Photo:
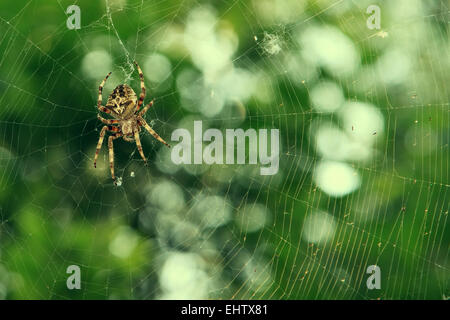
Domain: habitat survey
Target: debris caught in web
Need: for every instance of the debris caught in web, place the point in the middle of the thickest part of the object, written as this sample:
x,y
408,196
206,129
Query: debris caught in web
x,y
271,44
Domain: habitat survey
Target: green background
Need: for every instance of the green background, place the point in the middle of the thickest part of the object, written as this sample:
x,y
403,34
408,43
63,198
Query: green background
x,y
56,210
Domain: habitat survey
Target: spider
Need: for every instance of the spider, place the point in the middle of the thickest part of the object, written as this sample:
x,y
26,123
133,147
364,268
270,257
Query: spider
x,y
127,120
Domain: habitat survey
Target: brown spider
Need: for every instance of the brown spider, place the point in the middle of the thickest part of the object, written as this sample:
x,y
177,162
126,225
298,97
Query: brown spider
x,y
128,120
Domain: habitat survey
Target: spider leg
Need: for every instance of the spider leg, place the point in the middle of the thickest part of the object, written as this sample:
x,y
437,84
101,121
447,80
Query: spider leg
x,y
99,144
100,90
128,139
148,106
105,110
100,141
139,145
111,154
142,95
151,131
114,129
107,121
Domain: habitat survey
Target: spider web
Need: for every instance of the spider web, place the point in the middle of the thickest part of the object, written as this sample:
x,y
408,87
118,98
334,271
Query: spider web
x,y
363,176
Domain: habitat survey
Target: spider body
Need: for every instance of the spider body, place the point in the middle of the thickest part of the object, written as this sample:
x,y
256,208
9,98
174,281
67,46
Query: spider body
x,y
128,127
123,106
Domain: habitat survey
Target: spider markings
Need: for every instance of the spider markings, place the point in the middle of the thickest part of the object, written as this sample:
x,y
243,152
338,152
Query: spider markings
x,y
122,104
120,98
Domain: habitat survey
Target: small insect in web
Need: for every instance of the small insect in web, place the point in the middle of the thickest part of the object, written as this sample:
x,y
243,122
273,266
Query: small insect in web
x,y
122,104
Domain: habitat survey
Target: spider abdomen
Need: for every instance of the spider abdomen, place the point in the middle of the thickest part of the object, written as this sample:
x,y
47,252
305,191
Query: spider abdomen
x,y
122,100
